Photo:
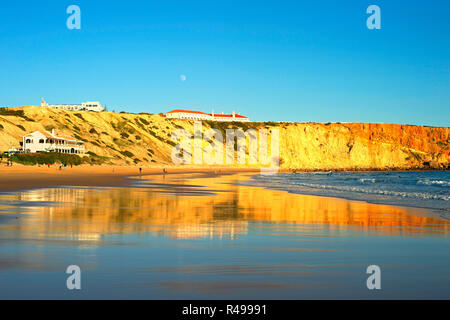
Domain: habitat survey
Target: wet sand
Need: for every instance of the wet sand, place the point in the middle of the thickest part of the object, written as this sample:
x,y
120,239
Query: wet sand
x,y
19,177
205,235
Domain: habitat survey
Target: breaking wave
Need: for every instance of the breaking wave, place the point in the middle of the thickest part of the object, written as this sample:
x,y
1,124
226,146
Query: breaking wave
x,y
419,189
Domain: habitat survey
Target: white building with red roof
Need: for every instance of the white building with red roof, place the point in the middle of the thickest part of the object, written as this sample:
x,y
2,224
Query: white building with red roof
x,y
198,115
43,141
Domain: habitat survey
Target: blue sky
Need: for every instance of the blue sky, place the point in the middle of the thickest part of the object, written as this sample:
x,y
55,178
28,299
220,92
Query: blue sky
x,y
271,60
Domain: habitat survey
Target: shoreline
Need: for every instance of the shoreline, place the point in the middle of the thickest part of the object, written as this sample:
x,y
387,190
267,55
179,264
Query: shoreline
x,y
24,178
412,169
21,177
435,211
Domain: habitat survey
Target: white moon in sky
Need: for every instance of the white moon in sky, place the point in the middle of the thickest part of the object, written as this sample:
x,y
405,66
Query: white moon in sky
x,y
183,77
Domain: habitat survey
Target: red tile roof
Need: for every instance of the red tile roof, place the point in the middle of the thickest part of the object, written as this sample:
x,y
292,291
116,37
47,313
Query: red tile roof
x,y
208,114
188,111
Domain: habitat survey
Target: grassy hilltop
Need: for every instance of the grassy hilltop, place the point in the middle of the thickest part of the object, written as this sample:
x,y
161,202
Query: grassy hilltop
x,y
145,139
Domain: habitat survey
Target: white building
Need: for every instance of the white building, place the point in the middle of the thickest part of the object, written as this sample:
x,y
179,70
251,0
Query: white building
x,y
43,141
198,115
84,106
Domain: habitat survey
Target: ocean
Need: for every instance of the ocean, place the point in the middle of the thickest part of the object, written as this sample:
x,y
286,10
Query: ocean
x,y
422,189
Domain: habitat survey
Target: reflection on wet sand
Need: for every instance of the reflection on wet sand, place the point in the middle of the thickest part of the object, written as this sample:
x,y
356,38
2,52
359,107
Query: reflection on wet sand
x,y
201,206
207,236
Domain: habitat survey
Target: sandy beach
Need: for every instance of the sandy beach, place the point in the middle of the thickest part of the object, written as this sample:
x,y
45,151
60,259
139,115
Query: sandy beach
x,y
20,177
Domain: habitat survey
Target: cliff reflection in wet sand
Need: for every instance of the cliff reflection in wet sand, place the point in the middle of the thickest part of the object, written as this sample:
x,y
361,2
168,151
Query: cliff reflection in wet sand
x,y
202,236
183,208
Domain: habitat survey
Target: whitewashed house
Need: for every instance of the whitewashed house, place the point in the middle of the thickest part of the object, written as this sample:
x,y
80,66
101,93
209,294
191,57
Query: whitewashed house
x,y
84,106
43,141
198,115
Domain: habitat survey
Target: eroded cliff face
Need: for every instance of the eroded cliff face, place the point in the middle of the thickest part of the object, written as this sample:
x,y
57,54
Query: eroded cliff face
x,y
145,139
363,146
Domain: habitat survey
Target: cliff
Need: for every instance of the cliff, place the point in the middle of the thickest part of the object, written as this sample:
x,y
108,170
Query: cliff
x,y
145,139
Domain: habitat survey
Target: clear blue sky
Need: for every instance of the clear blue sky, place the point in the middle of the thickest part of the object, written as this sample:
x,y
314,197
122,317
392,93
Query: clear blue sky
x,y
270,60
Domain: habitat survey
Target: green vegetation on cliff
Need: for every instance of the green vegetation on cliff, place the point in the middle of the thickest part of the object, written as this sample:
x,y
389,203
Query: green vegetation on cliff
x,y
47,158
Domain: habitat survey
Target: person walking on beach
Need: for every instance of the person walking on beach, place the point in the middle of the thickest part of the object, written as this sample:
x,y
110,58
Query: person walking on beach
x,y
140,171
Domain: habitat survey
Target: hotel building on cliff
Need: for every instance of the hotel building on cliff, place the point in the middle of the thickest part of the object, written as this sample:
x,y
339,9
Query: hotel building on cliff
x,y
43,141
84,106
198,115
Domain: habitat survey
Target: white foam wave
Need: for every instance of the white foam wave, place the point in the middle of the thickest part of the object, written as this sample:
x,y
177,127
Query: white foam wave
x,y
434,182
365,180
400,194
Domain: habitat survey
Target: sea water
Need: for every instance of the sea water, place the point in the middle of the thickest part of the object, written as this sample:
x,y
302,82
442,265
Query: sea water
x,y
424,189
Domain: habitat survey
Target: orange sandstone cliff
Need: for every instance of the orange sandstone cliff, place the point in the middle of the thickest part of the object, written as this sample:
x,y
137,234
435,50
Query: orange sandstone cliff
x,y
145,140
